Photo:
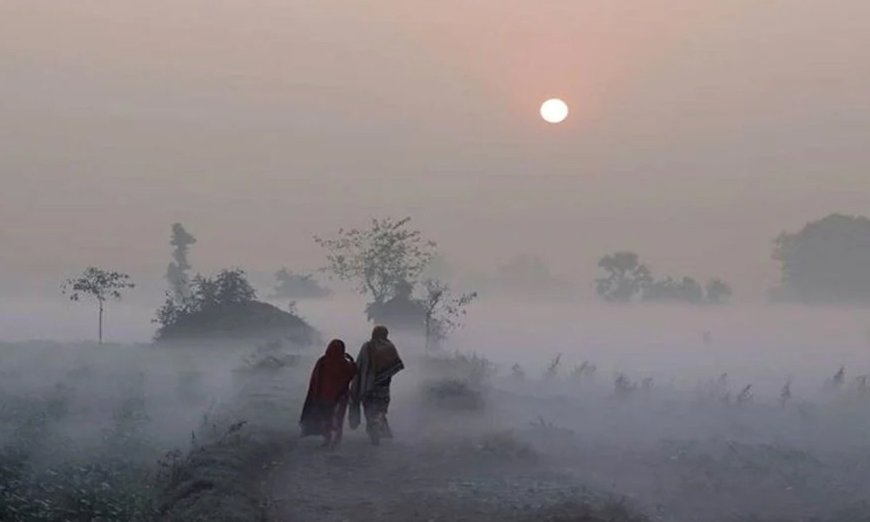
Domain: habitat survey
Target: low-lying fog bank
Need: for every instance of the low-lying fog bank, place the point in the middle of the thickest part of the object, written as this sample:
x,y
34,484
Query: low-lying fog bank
x,y
691,414
756,342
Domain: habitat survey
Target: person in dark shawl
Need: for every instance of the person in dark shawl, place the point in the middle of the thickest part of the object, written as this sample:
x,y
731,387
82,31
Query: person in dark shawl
x,y
378,362
326,403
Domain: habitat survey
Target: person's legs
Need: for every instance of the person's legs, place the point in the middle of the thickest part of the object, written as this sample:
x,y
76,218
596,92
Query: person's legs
x,y
386,432
373,421
336,426
376,414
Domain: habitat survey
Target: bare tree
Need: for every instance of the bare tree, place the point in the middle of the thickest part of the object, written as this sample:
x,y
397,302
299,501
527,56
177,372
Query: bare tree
x,y
100,284
444,312
379,259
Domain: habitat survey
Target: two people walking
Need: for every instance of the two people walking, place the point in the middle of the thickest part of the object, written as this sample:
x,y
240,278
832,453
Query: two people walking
x,y
338,382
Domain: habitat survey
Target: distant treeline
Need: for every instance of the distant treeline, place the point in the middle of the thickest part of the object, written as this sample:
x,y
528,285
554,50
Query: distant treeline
x,y
827,261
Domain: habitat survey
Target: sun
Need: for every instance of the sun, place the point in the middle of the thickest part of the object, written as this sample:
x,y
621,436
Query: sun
x,y
554,110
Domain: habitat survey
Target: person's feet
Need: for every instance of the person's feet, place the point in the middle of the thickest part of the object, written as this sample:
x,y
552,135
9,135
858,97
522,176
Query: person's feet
x,y
374,432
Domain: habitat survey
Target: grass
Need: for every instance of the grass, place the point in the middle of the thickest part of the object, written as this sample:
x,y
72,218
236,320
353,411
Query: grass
x,y
41,479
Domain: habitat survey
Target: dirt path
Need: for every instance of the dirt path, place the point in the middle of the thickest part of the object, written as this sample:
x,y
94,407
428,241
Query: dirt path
x,y
498,463
399,481
444,465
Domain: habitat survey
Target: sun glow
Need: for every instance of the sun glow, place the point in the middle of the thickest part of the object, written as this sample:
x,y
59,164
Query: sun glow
x,y
554,110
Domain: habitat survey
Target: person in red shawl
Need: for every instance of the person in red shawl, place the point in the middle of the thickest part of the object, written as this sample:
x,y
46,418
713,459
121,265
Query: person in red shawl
x,y
326,403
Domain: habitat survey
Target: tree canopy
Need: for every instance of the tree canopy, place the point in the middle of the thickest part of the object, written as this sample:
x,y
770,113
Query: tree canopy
x,y
225,306
828,260
685,290
101,285
718,291
626,277
97,283
290,285
379,259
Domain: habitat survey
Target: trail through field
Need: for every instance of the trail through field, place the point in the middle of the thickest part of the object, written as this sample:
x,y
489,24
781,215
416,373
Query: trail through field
x,y
468,467
405,480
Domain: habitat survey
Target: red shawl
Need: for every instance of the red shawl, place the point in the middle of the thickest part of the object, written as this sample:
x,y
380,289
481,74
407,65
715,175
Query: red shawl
x,y
328,386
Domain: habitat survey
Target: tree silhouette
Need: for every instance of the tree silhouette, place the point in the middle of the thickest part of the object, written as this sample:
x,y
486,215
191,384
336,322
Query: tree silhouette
x,y
401,311
99,284
379,259
626,277
443,311
826,261
686,290
718,291
224,306
297,286
176,272
233,287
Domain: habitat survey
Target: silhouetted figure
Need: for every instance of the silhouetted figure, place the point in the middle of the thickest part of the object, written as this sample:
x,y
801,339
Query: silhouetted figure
x,y
328,394
378,362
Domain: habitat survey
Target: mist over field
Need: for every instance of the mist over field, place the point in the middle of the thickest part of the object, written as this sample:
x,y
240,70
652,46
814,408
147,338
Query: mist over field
x,y
760,341
484,419
651,303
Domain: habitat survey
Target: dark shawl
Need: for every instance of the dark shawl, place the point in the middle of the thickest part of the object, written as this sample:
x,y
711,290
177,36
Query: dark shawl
x,y
327,389
378,362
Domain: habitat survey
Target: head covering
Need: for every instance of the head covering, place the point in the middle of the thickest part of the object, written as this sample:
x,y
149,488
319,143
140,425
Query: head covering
x,y
380,333
332,374
335,349
323,411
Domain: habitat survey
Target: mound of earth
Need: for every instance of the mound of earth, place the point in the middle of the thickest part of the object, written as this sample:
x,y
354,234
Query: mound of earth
x,y
247,320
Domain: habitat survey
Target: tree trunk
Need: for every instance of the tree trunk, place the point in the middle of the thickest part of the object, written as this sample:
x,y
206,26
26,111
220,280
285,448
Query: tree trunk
x,y
428,347
100,328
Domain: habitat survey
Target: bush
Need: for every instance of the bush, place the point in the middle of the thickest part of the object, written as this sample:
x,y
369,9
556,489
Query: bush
x,y
472,367
225,307
454,394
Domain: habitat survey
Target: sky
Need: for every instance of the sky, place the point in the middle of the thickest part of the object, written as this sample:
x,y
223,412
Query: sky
x,y
699,130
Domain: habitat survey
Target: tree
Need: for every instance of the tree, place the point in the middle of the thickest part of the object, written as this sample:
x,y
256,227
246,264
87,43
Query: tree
x,y
206,294
401,311
297,286
379,259
826,261
531,276
100,284
443,311
176,272
233,287
626,277
718,291
225,306
686,290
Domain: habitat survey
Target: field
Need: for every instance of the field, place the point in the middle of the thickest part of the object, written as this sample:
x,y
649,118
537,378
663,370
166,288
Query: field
x,y
141,432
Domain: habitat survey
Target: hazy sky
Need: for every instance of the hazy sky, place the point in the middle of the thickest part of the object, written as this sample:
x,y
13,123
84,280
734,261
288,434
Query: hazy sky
x,y
699,129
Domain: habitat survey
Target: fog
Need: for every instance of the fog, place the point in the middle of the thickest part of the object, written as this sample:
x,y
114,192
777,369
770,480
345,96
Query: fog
x,y
698,133
296,118
675,442
756,341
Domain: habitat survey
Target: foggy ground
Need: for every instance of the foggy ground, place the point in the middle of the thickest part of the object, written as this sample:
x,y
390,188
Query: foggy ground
x,y
568,445
474,442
